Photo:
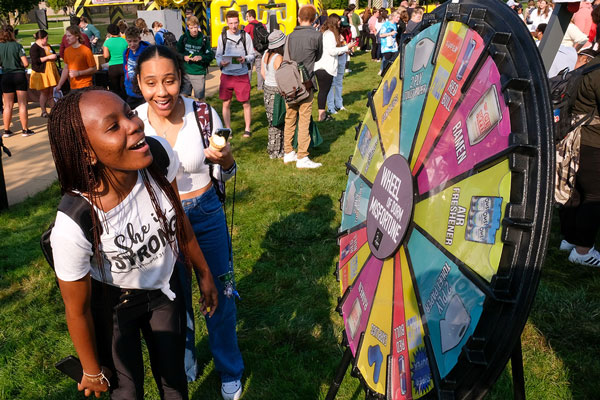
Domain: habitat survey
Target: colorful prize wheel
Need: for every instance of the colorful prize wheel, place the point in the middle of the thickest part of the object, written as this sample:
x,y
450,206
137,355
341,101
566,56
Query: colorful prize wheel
x,y
446,212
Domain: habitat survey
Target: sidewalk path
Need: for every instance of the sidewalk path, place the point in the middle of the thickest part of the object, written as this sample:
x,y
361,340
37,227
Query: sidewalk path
x,y
31,167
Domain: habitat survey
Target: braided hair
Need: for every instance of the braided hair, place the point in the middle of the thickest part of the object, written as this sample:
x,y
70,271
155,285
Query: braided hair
x,y
80,173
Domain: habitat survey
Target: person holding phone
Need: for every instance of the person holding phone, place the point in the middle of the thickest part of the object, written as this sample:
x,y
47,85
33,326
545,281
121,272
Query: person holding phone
x,y
121,281
182,121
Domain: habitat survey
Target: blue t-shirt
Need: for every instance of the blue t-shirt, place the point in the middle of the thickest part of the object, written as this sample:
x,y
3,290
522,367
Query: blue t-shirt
x,y
388,43
129,64
159,37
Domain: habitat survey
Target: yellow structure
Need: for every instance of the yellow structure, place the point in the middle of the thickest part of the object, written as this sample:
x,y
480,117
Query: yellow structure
x,y
286,12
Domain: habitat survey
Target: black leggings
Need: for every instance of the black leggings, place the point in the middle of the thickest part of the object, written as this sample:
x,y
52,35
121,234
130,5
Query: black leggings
x,y
115,80
579,225
374,47
325,81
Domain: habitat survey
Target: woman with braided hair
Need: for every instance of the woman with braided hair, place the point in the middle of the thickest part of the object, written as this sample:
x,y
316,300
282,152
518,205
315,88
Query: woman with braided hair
x,y
123,282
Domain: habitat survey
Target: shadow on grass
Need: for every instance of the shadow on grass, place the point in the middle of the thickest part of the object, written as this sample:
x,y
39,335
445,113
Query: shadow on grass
x,y
566,314
286,336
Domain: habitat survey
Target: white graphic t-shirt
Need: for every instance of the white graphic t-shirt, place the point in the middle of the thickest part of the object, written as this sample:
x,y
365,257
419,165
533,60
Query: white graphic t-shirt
x,y
135,248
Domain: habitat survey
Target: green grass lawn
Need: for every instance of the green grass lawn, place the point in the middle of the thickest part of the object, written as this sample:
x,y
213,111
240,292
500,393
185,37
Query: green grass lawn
x,y
285,252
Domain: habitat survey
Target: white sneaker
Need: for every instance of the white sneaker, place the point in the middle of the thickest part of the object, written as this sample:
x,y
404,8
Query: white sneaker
x,y
333,112
342,108
566,246
290,157
307,163
592,258
231,390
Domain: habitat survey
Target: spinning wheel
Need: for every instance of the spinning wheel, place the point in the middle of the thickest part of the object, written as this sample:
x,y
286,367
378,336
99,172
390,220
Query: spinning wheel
x,y
447,208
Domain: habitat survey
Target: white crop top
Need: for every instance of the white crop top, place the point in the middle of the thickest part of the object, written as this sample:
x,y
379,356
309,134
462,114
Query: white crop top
x,y
193,172
133,245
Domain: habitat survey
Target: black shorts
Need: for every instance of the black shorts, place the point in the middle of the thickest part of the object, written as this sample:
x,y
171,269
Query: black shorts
x,y
13,81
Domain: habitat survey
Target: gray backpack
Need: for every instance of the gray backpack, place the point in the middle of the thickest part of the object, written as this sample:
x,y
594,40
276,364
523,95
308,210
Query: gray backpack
x,y
289,79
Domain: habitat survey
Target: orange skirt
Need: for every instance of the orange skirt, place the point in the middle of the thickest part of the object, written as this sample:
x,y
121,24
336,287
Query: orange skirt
x,y
47,79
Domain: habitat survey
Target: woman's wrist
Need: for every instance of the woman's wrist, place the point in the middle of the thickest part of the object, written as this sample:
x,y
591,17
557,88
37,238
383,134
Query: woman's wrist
x,y
229,170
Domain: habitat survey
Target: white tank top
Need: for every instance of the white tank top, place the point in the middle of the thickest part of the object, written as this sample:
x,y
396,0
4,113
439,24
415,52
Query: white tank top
x,y
270,71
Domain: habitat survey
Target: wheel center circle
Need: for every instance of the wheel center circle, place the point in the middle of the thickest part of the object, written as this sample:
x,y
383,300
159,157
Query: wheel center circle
x,y
390,206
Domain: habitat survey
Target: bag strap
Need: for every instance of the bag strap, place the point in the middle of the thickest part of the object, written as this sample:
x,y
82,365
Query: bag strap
x,y
203,114
78,209
286,50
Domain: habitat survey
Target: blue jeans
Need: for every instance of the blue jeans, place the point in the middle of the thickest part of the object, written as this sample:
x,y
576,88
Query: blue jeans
x,y
210,227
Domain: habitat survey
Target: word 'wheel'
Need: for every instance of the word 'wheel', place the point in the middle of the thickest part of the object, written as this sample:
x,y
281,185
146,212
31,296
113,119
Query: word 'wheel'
x,y
446,212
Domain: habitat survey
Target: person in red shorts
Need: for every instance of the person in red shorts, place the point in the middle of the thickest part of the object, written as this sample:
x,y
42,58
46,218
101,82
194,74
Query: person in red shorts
x,y
234,53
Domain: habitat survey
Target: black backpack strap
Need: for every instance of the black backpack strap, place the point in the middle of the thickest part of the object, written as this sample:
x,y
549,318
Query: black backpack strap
x,y
224,39
159,154
79,210
244,33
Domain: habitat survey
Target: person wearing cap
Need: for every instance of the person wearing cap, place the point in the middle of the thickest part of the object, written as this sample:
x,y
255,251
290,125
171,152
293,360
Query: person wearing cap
x,y
271,60
585,55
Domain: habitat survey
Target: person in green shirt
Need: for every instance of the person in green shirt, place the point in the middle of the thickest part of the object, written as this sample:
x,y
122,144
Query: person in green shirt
x,y
91,31
13,61
113,49
197,54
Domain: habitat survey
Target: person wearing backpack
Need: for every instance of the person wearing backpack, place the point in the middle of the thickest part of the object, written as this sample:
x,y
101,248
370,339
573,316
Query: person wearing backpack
x,y
260,41
135,46
197,54
159,33
580,224
117,279
305,46
187,124
235,55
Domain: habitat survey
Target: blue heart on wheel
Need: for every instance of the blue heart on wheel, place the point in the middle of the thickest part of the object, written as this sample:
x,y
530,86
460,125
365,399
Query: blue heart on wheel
x,y
388,90
375,358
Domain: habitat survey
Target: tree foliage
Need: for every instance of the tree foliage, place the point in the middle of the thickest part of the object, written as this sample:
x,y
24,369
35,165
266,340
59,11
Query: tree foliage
x,y
15,8
335,4
58,5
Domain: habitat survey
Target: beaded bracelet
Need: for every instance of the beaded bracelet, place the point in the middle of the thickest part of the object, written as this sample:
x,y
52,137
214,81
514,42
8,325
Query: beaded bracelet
x,y
97,378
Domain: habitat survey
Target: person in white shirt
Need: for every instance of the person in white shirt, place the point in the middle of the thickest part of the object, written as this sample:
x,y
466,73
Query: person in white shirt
x,y
326,66
270,63
574,37
187,126
540,15
121,282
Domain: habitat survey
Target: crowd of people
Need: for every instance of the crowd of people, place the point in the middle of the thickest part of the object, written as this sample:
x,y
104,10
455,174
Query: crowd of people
x,y
145,215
